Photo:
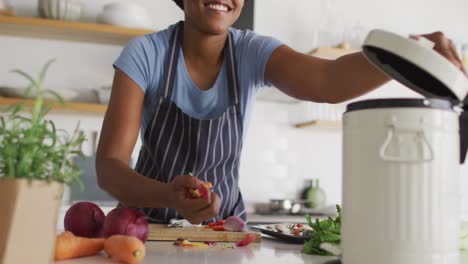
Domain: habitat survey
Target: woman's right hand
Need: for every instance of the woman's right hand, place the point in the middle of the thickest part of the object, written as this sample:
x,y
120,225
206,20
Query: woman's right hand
x,y
193,210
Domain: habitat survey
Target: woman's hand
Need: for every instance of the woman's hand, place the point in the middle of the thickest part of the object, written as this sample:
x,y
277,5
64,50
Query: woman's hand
x,y
445,47
194,210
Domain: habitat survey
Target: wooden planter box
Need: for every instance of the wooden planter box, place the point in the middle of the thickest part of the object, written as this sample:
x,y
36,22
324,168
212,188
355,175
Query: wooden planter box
x,y
28,220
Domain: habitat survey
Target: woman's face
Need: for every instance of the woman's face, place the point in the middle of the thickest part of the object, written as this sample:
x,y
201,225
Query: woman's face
x,y
212,16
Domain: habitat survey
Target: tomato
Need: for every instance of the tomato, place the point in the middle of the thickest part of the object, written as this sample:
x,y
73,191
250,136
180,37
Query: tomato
x,y
218,228
249,238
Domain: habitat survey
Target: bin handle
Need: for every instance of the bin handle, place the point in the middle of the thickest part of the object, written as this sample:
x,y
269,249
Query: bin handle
x,y
394,158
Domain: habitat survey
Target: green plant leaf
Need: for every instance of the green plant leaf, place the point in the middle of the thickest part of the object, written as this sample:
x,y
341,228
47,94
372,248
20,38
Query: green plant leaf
x,y
31,146
44,70
327,230
27,76
27,93
56,95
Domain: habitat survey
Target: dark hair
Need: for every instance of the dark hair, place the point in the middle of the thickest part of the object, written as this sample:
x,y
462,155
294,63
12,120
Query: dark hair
x,y
180,3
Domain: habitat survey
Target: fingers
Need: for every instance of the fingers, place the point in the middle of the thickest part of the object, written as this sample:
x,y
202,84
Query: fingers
x,y
454,53
212,210
187,181
445,47
205,213
451,53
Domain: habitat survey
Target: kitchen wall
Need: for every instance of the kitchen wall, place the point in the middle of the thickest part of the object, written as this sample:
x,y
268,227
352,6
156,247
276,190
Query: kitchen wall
x,y
277,157
317,151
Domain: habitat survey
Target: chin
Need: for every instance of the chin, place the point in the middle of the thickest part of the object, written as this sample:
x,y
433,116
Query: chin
x,y
216,28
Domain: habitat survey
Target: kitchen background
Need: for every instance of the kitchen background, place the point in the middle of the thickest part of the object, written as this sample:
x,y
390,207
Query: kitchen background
x,y
278,157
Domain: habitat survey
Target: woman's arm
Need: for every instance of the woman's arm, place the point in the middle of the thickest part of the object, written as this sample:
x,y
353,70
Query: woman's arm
x,y
333,81
328,81
118,136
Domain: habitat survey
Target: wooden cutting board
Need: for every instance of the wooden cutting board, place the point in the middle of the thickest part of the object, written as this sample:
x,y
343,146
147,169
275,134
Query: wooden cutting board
x,y
158,232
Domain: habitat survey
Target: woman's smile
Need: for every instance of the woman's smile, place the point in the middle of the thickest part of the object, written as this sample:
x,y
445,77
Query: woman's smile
x,y
218,6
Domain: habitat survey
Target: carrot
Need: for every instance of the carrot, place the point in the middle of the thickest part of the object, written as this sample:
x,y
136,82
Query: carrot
x,y
69,246
127,249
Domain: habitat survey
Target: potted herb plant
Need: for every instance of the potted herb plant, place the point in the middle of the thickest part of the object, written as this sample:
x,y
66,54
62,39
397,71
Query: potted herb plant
x,y
35,162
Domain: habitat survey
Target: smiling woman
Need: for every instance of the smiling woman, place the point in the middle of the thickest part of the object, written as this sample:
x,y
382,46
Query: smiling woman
x,y
189,89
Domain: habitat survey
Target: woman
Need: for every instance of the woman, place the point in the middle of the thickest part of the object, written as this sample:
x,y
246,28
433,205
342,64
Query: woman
x,y
190,89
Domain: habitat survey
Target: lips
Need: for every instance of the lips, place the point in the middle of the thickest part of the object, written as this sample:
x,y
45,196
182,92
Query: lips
x,y
218,6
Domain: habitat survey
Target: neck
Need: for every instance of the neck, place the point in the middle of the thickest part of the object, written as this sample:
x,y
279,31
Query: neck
x,y
201,47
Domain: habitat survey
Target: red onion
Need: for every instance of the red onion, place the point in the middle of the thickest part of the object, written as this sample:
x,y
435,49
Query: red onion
x,y
126,221
84,219
235,224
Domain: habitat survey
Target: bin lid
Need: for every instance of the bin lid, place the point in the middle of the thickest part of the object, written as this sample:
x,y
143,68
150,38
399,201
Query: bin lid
x,y
415,64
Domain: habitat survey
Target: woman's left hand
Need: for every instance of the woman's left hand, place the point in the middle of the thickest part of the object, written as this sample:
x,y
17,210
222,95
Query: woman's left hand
x,y
445,47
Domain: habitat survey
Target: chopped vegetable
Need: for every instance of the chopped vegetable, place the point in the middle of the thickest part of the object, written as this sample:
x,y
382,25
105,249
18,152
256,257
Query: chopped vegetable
x,y
202,192
235,224
68,246
217,226
282,228
181,242
127,249
219,223
249,238
325,231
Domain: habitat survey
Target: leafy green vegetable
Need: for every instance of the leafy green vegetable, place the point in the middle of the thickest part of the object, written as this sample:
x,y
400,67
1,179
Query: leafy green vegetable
x,y
324,231
30,146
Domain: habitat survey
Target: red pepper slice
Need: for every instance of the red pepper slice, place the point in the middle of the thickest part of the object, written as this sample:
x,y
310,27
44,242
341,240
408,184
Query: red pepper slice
x,y
299,225
218,228
249,238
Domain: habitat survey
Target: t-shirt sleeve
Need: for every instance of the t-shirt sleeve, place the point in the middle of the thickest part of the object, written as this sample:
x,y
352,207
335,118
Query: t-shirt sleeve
x,y
134,61
256,51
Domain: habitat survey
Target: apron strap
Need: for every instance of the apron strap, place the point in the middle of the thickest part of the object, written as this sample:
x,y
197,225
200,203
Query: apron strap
x,y
171,66
174,53
230,55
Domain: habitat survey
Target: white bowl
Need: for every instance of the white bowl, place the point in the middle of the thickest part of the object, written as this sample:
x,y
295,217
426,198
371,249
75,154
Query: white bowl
x,y
69,10
125,14
104,94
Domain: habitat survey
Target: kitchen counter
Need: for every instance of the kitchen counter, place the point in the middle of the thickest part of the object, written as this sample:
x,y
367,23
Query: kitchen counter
x,y
269,251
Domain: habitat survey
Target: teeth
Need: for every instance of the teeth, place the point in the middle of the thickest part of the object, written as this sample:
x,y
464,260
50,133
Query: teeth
x,y
218,7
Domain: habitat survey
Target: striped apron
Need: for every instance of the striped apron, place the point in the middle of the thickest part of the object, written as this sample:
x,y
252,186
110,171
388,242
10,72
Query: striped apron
x,y
175,143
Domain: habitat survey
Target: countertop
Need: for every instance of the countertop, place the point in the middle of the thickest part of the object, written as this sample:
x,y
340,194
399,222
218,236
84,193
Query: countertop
x,y
269,251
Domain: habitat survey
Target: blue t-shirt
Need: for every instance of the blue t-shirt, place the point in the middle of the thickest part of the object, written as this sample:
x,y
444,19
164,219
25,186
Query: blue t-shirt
x,y
143,61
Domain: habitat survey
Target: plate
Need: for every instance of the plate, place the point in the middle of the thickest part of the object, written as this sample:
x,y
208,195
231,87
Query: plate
x,y
281,236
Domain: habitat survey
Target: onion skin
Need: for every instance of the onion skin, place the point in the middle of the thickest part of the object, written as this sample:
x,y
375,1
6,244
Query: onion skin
x,y
126,221
84,219
235,224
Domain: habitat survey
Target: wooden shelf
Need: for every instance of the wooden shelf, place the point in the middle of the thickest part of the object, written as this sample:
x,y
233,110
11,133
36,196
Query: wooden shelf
x,y
319,123
69,31
57,107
